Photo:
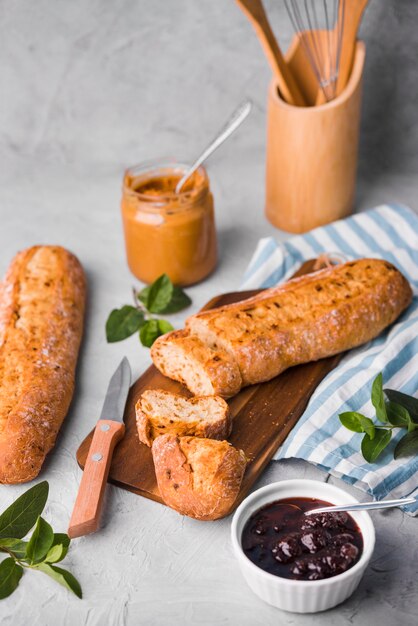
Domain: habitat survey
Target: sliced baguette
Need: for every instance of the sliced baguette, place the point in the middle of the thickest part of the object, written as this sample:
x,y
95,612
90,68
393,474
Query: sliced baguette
x,y
204,369
305,319
198,477
159,412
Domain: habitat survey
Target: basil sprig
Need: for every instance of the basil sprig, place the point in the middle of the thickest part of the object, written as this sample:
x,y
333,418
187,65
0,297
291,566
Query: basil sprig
x,y
162,297
43,549
398,410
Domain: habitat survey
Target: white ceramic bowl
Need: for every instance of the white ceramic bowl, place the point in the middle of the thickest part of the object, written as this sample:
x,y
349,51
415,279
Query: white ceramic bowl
x,y
300,596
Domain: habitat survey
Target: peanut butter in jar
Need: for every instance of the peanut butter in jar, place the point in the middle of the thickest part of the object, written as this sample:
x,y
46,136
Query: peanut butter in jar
x,y
165,231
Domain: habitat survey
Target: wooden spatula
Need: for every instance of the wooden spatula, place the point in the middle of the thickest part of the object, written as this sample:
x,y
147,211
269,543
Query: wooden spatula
x,y
288,87
353,13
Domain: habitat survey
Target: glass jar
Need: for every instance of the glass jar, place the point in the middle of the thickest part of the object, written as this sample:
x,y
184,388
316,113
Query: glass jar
x,y
165,231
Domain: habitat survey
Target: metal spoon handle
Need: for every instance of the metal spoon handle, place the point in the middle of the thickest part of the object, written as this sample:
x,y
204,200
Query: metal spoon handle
x,y
362,506
234,121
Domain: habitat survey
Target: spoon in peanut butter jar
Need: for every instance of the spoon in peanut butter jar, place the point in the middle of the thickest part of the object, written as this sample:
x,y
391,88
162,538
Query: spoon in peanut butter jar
x,y
232,124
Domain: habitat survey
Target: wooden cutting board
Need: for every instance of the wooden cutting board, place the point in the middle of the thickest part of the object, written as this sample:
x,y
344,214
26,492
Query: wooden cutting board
x,y
263,414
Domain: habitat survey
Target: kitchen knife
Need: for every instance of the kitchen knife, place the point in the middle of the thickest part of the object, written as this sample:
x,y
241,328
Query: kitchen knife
x,y
109,430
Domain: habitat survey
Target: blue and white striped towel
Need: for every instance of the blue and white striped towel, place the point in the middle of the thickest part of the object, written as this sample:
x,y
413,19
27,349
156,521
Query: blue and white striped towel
x,y
388,232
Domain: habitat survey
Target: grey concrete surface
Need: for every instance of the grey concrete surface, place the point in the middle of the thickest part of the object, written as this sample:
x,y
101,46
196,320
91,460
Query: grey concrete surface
x,y
87,88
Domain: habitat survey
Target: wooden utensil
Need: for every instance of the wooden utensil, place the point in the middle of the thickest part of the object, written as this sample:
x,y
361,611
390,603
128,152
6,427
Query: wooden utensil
x,y
303,193
263,415
319,25
353,13
302,70
109,430
288,87
327,31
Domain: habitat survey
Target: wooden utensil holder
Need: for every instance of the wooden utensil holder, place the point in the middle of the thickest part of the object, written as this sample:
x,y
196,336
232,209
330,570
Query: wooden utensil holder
x,y
312,154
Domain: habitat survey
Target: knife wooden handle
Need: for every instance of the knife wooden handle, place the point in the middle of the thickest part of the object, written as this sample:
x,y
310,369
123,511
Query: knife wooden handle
x,y
86,513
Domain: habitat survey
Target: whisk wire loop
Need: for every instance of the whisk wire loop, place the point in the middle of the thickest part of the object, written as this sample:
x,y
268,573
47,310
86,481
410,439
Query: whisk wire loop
x,y
320,26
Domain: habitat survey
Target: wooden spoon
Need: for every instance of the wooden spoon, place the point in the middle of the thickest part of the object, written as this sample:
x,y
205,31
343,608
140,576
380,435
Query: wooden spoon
x,y
353,12
288,87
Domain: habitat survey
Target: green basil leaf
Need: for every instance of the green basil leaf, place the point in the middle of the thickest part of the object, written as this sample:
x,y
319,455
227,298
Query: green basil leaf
x,y
408,402
10,575
171,299
143,295
164,327
40,542
351,420
397,414
378,399
55,554
123,323
179,301
17,546
357,422
152,330
149,333
21,516
61,541
407,446
62,576
157,296
371,448
412,426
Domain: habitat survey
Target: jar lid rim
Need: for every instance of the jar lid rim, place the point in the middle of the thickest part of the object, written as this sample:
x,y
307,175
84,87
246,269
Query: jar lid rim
x,y
155,168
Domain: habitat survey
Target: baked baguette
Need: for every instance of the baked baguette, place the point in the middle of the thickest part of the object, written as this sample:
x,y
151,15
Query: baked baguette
x,y
198,477
159,412
41,320
204,369
305,319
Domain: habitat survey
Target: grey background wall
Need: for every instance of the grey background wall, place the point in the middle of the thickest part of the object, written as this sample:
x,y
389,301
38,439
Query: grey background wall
x,y
115,82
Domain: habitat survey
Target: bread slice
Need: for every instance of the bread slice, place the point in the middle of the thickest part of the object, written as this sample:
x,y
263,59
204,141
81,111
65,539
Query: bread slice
x,y
204,369
159,412
198,477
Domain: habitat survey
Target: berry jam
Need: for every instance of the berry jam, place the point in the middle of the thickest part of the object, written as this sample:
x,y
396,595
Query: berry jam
x,y
282,540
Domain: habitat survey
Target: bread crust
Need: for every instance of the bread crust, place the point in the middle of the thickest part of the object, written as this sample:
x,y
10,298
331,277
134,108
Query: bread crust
x,y
41,321
198,477
151,425
305,319
207,370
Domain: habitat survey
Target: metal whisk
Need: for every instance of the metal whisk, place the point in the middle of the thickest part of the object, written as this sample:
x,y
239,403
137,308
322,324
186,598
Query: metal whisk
x,y
320,26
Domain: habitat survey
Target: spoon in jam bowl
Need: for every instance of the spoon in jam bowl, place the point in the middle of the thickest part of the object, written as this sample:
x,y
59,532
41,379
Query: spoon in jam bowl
x,y
362,506
232,124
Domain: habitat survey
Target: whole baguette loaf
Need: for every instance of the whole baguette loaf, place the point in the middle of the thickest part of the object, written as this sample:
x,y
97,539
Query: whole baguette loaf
x,y
159,412
41,321
305,319
198,477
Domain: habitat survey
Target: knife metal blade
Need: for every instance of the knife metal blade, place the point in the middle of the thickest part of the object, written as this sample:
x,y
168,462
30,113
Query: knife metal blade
x,y
117,392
